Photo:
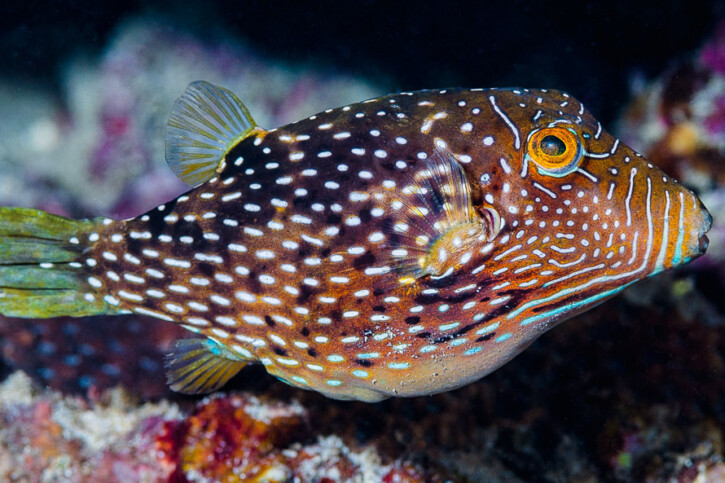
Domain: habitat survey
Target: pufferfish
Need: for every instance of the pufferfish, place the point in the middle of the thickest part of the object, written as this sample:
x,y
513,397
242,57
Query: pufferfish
x,y
401,246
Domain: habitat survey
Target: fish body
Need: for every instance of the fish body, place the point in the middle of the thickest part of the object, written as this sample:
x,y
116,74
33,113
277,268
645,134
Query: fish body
x,y
401,246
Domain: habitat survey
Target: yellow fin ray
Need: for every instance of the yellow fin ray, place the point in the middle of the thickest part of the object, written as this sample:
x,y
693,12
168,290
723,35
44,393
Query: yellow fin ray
x,y
198,366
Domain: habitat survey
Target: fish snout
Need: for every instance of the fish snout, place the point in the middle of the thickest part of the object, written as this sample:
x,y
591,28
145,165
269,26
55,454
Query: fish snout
x,y
705,225
691,232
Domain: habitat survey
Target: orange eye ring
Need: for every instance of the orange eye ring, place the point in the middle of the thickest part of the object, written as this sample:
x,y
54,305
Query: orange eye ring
x,y
555,150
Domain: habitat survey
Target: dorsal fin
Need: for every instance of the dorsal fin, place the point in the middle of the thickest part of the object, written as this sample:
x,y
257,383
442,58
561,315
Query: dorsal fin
x,y
435,226
205,123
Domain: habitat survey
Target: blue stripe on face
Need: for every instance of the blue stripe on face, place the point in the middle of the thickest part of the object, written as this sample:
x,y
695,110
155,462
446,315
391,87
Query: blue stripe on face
x,y
575,305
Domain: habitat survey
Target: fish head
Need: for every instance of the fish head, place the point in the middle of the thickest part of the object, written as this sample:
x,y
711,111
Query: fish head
x,y
582,215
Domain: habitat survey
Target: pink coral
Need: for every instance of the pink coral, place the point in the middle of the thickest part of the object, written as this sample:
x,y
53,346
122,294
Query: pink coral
x,y
232,438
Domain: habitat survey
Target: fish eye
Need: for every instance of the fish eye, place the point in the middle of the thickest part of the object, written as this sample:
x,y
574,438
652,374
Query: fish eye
x,y
555,150
552,146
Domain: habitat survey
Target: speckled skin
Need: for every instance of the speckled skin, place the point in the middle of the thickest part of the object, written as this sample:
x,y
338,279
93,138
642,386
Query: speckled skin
x,y
286,257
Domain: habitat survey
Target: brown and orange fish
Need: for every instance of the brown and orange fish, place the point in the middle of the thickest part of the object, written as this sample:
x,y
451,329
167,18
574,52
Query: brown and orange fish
x,y
402,246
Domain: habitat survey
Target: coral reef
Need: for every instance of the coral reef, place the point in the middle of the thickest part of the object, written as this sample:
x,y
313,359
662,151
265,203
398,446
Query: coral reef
x,y
226,438
240,438
45,437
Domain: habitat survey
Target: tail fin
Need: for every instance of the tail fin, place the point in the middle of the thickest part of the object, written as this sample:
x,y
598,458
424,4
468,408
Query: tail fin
x,y
40,270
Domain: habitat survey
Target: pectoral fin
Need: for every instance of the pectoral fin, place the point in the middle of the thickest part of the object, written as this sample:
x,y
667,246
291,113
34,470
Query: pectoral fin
x,y
435,227
198,366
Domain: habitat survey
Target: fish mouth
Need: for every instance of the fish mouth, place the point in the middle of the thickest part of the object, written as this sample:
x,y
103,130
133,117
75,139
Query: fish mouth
x,y
703,241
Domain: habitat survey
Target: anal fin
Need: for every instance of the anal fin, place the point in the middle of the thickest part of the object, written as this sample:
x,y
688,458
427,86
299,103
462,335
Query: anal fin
x,y
199,366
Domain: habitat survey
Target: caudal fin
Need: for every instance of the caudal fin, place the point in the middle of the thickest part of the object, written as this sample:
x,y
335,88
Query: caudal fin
x,y
40,270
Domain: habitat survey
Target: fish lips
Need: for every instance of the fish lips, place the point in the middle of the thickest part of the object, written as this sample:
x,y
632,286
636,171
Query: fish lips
x,y
706,225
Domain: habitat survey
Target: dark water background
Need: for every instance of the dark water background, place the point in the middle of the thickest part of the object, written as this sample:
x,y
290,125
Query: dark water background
x,y
592,49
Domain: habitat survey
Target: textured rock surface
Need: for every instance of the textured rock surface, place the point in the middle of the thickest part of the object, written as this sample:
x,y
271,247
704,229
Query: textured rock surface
x,y
45,436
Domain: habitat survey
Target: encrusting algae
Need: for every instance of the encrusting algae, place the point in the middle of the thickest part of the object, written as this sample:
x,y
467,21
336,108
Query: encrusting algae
x,y
402,246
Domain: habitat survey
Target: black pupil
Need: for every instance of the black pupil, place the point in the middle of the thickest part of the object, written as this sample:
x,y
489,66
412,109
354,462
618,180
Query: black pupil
x,y
553,146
